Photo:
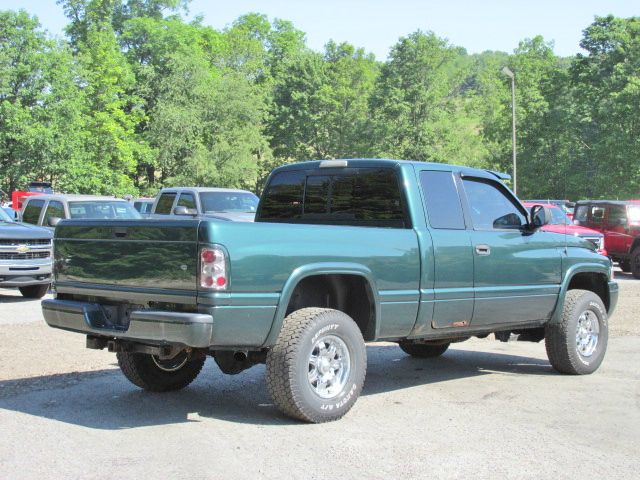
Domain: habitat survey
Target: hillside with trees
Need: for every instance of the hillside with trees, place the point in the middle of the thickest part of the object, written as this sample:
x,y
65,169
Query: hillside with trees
x,y
135,98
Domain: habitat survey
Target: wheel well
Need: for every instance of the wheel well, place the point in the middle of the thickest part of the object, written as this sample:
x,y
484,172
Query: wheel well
x,y
350,294
594,282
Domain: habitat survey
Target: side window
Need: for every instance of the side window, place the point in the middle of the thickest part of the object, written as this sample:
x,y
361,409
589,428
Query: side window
x,y
597,214
32,211
443,203
617,215
54,209
282,200
187,200
491,208
165,202
581,213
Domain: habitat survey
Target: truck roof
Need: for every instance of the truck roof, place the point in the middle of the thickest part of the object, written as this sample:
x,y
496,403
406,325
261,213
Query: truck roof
x,y
75,198
203,189
607,202
387,162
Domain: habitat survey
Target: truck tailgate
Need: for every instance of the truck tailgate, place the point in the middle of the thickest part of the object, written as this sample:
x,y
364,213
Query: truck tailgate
x,y
145,256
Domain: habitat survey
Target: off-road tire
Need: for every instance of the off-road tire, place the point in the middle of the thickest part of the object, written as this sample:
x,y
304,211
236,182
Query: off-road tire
x,y
422,350
141,370
34,291
560,338
288,365
625,266
635,263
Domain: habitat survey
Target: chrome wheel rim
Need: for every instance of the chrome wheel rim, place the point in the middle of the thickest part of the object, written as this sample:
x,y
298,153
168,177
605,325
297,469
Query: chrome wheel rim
x,y
329,366
587,332
171,364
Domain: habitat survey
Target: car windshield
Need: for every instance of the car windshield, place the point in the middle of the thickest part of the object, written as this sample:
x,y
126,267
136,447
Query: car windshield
x,y
4,216
559,217
96,209
213,202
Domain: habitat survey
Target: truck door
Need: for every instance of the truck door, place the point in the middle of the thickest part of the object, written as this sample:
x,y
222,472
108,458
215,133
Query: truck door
x,y
618,237
517,272
452,254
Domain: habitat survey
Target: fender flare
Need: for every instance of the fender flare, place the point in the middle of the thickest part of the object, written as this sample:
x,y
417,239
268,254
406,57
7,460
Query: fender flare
x,y
568,276
314,269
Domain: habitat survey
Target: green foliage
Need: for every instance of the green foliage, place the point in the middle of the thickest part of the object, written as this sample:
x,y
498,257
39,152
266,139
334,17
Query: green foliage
x,y
137,98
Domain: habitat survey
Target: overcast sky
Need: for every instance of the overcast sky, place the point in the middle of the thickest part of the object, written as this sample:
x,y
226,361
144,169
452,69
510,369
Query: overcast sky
x,y
377,24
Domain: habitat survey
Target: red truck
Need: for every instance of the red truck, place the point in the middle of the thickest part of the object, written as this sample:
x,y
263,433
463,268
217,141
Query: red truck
x,y
619,222
562,223
34,188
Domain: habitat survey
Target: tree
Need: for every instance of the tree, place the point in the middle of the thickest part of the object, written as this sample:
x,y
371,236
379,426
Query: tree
x,y
41,121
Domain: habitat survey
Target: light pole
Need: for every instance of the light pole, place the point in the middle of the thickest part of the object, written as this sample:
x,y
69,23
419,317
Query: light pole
x,y
510,74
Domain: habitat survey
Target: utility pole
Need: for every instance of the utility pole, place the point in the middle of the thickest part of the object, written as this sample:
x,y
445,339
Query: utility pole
x,y
510,74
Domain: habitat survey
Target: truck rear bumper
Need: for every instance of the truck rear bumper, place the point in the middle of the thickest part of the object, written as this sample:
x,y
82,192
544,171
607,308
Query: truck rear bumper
x,y
155,327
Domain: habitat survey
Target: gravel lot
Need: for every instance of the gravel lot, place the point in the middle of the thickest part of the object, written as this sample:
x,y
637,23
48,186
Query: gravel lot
x,y
483,410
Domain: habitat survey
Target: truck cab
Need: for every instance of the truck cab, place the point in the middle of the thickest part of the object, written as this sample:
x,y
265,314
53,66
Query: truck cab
x,y
221,203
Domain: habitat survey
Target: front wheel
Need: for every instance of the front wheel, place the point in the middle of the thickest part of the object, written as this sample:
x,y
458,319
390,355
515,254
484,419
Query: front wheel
x,y
34,291
316,369
151,373
577,344
635,263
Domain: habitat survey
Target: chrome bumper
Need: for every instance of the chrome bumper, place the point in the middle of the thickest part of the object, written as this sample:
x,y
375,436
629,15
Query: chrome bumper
x,y
154,327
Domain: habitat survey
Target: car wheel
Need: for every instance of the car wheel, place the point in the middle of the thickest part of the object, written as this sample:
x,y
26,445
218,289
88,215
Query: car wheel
x,y
151,373
423,350
577,344
625,266
635,263
34,291
316,370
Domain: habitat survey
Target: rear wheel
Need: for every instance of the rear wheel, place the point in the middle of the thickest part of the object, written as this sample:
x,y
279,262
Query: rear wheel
x,y
151,373
34,291
635,263
577,344
423,350
316,370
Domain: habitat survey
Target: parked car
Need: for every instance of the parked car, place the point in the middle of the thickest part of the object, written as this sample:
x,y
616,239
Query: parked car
x,y
221,203
342,252
561,223
144,206
25,257
565,205
619,221
48,210
11,212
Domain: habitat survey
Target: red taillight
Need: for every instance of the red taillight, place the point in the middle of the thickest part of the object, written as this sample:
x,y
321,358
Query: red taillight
x,y
213,268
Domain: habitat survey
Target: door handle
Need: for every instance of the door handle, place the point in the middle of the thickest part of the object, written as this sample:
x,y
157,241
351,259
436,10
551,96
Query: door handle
x,y
483,250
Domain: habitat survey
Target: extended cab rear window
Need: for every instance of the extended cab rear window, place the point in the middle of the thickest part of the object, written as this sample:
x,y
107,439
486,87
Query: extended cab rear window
x,y
358,197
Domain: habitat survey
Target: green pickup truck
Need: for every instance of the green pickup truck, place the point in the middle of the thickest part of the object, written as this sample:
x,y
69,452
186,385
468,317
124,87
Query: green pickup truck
x,y
342,252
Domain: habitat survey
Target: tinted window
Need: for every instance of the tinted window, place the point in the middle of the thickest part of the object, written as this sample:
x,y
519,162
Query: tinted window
x,y
617,215
443,203
32,211
490,207
316,196
165,202
581,213
187,200
102,209
283,198
242,202
54,209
